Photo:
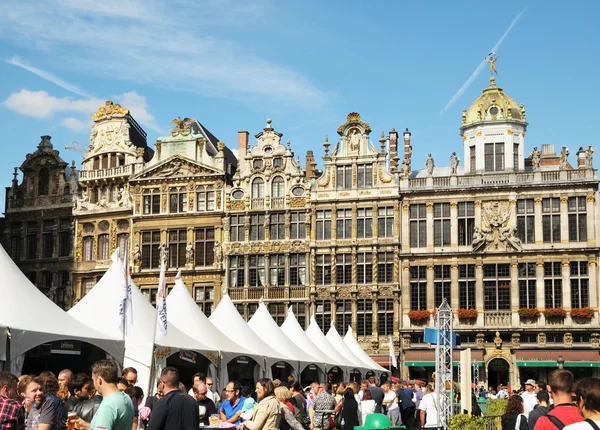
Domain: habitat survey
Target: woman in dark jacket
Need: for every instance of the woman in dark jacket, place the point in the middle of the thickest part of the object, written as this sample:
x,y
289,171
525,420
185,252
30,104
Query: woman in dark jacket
x,y
514,410
349,410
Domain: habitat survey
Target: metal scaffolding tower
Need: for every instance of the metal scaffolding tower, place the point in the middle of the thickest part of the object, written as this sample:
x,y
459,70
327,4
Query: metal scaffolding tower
x,y
443,363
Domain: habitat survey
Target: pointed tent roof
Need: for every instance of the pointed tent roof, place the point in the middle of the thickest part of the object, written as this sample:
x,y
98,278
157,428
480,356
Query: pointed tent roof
x,y
291,328
229,321
195,324
18,294
336,341
318,338
266,328
359,352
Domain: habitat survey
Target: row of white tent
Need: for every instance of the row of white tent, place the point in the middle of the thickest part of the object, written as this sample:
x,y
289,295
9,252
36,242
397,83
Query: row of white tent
x,y
33,319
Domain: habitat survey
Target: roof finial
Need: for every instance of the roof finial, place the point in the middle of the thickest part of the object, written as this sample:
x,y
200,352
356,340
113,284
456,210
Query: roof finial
x,y
491,58
269,120
382,141
289,144
326,144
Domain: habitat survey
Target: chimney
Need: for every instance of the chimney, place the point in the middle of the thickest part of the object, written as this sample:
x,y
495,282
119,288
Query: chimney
x,y
242,144
407,148
393,150
310,165
581,158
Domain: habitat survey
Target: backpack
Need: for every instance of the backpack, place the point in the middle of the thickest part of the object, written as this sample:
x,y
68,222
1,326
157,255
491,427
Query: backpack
x,y
300,414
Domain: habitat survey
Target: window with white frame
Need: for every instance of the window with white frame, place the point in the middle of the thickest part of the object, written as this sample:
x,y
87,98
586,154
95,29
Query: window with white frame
x,y
150,249
323,314
527,284
256,271
177,245
577,207
151,201
277,270
205,246
364,223
103,247
257,227
385,317
418,288
494,157
441,224
385,267
344,177
343,315
466,222
278,312
526,220
364,317
297,270
178,202
365,175
385,220
236,228
496,287
364,268
236,271
441,284
205,200
297,225
418,226
300,310
277,226
323,269
88,248
466,286
204,296
551,219
343,269
323,225
343,219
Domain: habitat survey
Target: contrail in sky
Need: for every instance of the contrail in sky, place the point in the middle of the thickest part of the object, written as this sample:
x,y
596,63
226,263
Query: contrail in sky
x,y
16,61
481,66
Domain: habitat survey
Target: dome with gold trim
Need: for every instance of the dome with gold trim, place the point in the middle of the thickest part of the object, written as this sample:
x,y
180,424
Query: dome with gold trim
x,y
493,105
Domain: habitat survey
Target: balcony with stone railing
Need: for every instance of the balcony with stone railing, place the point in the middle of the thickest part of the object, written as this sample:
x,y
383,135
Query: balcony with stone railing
x,y
258,203
268,293
497,319
499,179
115,172
277,202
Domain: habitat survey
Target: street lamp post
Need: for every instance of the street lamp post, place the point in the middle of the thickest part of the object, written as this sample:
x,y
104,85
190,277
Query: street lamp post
x,y
560,362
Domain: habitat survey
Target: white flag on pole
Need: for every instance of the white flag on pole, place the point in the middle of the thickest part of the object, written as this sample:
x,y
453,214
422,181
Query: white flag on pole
x,y
126,299
393,354
161,304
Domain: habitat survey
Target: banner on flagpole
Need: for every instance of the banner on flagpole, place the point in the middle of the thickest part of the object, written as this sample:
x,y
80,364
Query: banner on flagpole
x,y
126,302
161,304
393,354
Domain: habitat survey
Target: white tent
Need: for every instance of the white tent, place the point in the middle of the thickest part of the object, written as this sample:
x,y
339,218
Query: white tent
x,y
34,319
229,321
315,334
266,328
195,324
336,341
139,345
292,329
351,342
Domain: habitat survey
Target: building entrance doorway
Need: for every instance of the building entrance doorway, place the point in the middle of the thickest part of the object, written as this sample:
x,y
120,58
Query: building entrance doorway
x,y
498,371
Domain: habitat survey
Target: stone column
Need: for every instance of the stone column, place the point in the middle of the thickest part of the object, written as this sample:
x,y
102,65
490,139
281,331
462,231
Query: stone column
x,y
430,287
454,299
375,222
566,281
354,222
593,291
333,223
564,220
287,270
538,225
405,230
453,227
375,310
429,217
246,271
591,217
333,268
514,293
404,322
513,212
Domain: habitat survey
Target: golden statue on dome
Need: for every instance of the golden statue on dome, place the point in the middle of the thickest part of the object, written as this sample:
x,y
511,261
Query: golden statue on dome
x,y
491,58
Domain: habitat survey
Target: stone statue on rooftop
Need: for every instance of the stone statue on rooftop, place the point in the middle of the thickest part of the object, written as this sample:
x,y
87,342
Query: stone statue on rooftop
x,y
454,160
563,158
429,163
536,155
588,157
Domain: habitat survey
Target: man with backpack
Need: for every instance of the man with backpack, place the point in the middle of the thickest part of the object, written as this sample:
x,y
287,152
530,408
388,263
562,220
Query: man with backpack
x,y
564,411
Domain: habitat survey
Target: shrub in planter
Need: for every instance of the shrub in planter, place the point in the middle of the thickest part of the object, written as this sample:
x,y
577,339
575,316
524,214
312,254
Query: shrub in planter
x,y
583,313
467,313
555,312
529,312
466,422
496,407
420,315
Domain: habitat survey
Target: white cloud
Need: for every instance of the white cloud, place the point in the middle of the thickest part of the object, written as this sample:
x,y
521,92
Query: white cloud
x,y
236,152
138,107
40,104
75,124
172,44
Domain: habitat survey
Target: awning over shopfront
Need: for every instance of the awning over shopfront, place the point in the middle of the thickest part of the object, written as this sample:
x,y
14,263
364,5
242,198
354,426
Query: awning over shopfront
x,y
547,358
426,358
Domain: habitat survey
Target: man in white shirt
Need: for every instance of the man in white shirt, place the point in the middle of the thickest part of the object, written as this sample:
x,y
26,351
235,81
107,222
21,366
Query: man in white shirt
x,y
529,397
389,401
428,414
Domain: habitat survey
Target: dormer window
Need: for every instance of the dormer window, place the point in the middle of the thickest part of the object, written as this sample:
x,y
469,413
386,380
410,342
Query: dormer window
x,y
344,177
494,157
268,150
257,164
365,175
494,110
44,182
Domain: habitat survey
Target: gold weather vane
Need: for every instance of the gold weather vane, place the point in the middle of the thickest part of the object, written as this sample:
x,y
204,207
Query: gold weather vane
x,y
491,58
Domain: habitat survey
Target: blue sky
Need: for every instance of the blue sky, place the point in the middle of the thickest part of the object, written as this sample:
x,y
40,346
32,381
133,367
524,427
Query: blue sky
x,y
231,64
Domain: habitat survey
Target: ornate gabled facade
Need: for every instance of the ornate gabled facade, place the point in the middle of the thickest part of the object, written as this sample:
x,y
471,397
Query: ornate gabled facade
x,y
39,221
354,237
117,150
510,242
179,202
267,226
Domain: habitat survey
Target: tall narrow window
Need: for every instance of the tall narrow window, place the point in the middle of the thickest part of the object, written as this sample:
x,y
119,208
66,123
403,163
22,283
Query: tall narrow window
x,y
103,247
256,270
364,268
515,156
258,193
365,175
466,222
553,284
178,200
496,287
277,226
64,238
472,159
527,281
466,286
343,315
236,228
31,240
88,248
323,225
418,288
344,223
278,312
43,182
277,270
323,314
385,317
152,201
526,220
177,245
16,243
551,219
297,225
297,270
205,200
385,267
441,284
151,249
236,271
48,239
364,223
364,317
122,241
494,157
257,227
204,297
418,226
577,219
344,177
385,222
278,193
343,269
580,288
441,224
323,269
205,246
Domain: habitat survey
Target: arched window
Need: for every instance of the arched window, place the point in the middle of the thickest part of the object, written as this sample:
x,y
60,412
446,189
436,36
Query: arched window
x,y
67,190
258,188
278,187
44,182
